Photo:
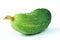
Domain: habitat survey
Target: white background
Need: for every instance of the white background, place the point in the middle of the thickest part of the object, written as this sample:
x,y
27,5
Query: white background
x,y
11,7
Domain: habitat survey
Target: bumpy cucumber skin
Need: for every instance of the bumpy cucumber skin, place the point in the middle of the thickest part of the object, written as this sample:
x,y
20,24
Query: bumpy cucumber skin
x,y
32,23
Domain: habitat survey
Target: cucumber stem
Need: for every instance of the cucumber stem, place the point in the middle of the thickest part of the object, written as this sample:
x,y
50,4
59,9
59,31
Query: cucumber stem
x,y
9,17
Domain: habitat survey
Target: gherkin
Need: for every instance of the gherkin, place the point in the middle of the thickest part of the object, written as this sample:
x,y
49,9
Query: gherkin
x,y
31,23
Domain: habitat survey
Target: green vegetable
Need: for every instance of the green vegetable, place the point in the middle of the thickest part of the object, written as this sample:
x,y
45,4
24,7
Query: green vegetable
x,y
31,23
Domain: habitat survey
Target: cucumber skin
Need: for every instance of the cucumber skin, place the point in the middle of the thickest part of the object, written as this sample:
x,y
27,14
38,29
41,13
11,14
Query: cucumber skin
x,y
33,22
